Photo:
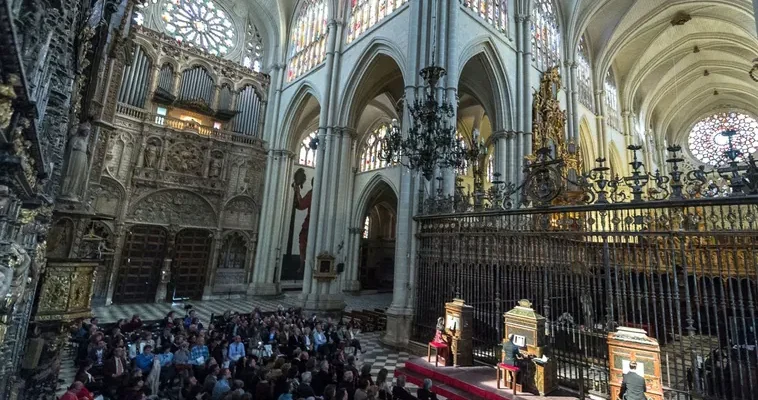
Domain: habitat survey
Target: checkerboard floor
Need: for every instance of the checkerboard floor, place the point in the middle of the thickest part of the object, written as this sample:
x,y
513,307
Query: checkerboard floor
x,y
154,311
373,351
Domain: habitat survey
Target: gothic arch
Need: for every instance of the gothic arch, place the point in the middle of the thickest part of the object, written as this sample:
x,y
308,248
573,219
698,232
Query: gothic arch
x,y
201,63
615,161
586,145
364,200
352,103
288,137
241,197
173,207
499,106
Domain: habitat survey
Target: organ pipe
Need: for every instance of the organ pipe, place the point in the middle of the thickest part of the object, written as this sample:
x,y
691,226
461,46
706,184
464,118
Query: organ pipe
x,y
135,79
197,84
249,107
166,77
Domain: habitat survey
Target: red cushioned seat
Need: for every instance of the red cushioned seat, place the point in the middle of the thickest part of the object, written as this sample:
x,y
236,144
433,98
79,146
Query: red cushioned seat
x,y
437,346
508,367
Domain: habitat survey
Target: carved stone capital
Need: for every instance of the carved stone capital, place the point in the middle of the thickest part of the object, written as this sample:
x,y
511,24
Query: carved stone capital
x,y
281,153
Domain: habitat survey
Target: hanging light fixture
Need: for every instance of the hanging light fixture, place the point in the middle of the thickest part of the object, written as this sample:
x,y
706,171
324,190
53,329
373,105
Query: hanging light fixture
x,y
431,141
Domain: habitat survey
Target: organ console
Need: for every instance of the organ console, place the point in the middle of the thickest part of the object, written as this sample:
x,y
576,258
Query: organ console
x,y
184,78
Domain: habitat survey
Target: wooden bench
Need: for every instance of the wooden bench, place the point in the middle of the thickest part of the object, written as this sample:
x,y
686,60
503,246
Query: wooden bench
x,y
508,371
379,319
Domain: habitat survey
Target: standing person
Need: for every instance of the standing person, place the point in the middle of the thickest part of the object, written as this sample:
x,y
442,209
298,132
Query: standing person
x,y
222,385
114,370
385,385
633,386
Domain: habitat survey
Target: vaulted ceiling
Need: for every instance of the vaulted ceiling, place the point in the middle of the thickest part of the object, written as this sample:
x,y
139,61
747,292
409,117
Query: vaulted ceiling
x,y
661,75
660,51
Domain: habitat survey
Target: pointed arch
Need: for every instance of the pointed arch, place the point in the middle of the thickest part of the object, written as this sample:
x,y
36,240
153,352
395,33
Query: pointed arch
x,y
586,145
352,103
364,199
500,106
287,137
615,161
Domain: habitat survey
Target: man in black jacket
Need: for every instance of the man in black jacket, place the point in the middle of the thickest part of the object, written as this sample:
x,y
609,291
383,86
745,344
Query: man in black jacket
x,y
633,385
322,378
399,392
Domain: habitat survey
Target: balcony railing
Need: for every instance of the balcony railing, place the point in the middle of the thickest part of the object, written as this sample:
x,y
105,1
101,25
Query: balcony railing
x,y
185,126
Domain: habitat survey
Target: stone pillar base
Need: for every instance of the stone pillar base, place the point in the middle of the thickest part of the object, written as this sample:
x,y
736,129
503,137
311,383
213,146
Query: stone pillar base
x,y
320,303
351,286
264,289
398,332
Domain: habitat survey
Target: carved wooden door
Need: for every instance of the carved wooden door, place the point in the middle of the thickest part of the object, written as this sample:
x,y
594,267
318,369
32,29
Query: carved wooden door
x,y
141,263
192,251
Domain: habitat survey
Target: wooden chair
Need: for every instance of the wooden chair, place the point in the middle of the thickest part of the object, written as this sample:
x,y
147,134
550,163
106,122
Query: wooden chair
x,y
437,346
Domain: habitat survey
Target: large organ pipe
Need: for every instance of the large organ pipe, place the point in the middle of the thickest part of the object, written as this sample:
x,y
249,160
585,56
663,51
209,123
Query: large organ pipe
x,y
141,82
132,74
165,78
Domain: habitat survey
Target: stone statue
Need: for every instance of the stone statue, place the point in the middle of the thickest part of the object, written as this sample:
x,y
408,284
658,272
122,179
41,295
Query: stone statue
x,y
214,170
76,172
151,155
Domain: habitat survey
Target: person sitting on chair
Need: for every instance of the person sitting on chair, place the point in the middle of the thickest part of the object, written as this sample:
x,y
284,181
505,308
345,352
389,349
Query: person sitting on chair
x,y
633,385
511,354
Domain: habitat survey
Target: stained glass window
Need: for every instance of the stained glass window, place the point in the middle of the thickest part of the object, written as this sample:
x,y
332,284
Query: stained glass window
x,y
611,100
253,48
584,76
200,23
365,13
707,141
307,154
495,12
372,149
140,11
366,226
546,37
308,38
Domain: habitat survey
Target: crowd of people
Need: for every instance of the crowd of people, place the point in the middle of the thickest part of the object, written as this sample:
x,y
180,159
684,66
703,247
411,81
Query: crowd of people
x,y
283,355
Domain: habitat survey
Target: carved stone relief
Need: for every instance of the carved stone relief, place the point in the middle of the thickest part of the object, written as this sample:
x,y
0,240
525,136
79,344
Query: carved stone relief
x,y
119,155
216,164
246,177
60,239
107,198
242,212
185,158
152,153
174,207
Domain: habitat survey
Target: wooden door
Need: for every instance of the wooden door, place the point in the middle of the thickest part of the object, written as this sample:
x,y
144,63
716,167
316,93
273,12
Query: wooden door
x,y
193,248
141,263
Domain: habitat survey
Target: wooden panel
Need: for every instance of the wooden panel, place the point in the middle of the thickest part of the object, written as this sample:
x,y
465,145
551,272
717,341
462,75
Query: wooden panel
x,y
139,273
193,247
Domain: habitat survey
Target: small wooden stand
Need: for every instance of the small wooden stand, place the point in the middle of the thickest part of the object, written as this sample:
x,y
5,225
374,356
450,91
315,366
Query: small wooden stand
x,y
459,320
631,344
539,377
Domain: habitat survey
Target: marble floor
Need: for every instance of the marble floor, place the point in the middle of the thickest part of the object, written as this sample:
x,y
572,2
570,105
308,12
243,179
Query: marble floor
x,y
113,313
374,352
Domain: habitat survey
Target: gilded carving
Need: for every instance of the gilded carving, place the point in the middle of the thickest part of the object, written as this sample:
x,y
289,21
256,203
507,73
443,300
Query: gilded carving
x,y
7,94
185,158
174,207
54,297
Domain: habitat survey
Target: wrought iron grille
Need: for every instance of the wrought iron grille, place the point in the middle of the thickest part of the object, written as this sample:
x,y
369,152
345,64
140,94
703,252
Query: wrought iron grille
x,y
681,266
686,273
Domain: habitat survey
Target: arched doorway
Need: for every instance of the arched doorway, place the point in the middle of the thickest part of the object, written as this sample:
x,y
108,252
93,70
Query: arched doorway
x,y
190,263
377,251
141,262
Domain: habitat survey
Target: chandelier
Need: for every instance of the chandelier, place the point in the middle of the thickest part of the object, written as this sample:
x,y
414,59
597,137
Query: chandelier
x,y
431,141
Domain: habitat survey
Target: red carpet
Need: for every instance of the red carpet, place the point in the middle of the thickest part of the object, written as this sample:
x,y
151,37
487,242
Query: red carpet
x,y
463,383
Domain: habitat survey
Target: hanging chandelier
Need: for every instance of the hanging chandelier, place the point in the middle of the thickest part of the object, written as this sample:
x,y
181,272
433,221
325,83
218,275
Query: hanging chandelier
x,y
431,141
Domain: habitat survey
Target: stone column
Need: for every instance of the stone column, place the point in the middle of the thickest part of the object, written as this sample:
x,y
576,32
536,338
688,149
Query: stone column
x,y
526,80
210,276
161,295
600,121
267,266
177,84
501,154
